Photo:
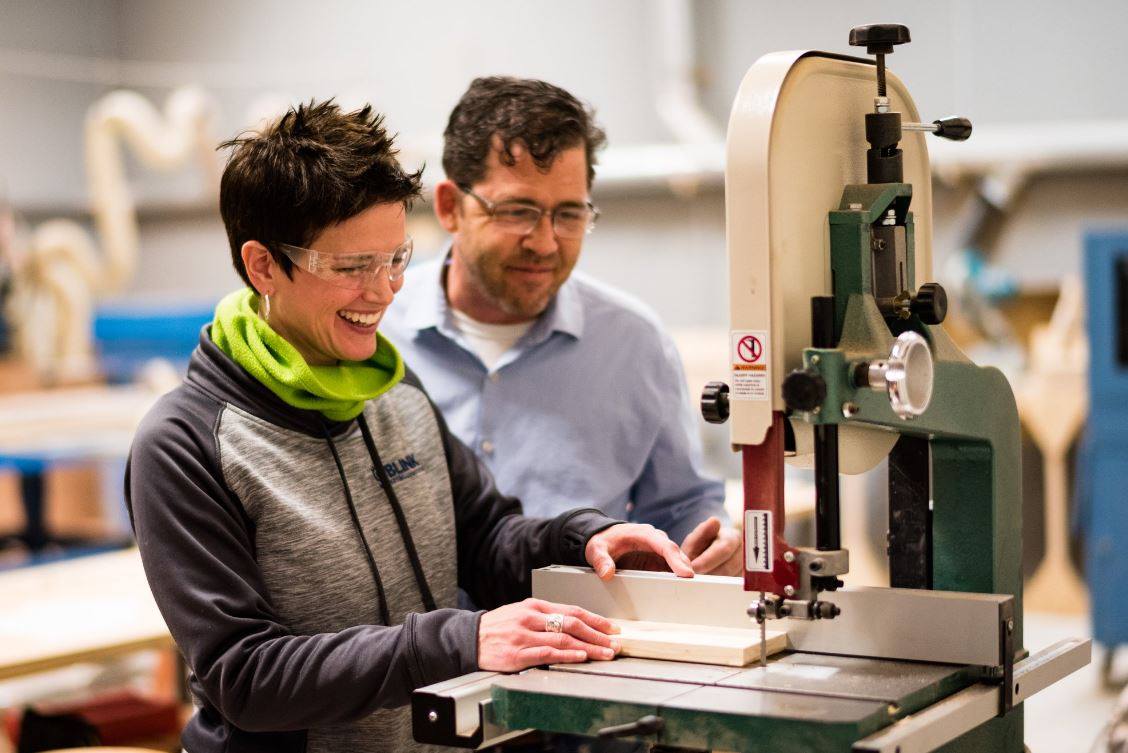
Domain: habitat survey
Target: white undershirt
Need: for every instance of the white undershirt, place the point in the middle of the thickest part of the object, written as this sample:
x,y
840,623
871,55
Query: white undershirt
x,y
489,341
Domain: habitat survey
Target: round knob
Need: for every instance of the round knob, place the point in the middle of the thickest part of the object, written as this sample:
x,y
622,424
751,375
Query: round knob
x,y
906,376
930,303
804,390
715,402
826,610
879,38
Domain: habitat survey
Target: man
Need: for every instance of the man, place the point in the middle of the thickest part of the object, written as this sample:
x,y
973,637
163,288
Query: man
x,y
568,390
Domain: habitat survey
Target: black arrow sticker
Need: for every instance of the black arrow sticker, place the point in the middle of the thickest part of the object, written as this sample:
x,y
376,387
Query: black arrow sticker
x,y
758,540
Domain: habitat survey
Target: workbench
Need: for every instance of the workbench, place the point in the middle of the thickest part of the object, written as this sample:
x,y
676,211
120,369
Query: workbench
x,y
83,609
51,428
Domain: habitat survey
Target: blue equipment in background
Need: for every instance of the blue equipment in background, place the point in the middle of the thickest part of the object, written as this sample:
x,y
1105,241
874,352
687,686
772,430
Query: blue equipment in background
x,y
128,335
1103,461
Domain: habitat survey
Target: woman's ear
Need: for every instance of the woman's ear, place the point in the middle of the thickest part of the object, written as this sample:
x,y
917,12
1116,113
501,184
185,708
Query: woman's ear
x,y
260,266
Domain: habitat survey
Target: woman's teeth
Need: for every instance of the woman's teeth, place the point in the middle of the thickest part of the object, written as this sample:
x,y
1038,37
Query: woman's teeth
x,y
364,320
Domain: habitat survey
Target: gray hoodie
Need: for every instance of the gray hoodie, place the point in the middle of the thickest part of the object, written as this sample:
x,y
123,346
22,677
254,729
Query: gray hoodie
x,y
309,569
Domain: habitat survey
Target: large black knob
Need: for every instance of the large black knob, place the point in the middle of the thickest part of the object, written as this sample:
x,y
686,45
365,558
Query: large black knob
x,y
930,303
879,39
804,390
715,402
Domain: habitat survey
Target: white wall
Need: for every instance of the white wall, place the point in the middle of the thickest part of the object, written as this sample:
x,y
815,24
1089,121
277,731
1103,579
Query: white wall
x,y
998,62
41,111
1002,61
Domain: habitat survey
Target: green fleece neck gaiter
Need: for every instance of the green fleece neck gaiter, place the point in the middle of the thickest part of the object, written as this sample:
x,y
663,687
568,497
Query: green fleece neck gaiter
x,y
338,392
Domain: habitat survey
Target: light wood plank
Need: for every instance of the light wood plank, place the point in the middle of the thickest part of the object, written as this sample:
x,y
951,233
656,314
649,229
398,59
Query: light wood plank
x,y
733,647
85,609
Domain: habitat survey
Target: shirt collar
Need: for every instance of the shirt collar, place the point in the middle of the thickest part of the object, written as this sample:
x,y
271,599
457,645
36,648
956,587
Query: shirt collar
x,y
431,310
565,312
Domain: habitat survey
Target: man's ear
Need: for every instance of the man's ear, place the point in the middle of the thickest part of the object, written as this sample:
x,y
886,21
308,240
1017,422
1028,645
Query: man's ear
x,y
260,266
448,205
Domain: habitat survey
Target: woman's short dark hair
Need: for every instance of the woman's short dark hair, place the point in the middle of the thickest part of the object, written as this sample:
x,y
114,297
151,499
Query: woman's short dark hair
x,y
312,168
544,118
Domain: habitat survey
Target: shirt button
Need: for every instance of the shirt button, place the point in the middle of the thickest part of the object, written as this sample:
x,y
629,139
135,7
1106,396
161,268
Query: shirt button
x,y
487,446
494,376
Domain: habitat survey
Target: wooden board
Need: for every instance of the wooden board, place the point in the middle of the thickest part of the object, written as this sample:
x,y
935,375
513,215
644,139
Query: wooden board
x,y
84,609
83,422
703,644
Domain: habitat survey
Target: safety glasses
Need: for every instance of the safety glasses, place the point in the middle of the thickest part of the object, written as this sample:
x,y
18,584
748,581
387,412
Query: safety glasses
x,y
353,271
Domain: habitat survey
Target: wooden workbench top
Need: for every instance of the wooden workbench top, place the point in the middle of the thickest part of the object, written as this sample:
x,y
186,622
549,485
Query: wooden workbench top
x,y
83,609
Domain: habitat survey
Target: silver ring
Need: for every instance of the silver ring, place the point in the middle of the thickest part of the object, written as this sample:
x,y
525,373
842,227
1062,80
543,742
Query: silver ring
x,y
554,623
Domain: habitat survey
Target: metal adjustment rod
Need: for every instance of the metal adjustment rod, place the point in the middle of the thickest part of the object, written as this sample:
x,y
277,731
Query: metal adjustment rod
x,y
883,128
879,40
647,725
953,129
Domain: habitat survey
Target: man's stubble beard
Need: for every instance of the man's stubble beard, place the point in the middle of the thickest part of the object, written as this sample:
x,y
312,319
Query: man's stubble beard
x,y
490,278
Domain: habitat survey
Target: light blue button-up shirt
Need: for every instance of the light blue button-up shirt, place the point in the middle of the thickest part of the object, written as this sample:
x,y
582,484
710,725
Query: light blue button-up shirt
x,y
589,408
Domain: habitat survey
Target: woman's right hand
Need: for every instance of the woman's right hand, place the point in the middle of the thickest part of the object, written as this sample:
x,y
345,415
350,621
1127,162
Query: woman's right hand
x,y
519,636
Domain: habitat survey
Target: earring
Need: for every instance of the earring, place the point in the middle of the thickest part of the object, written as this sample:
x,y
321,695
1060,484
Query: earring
x,y
265,308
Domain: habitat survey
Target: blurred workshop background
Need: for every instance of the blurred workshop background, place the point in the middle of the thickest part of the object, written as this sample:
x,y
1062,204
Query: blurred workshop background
x,y
110,242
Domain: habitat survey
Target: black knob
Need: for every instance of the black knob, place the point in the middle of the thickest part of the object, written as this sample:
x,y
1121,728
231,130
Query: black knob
x,y
954,129
879,38
930,303
804,390
715,402
826,610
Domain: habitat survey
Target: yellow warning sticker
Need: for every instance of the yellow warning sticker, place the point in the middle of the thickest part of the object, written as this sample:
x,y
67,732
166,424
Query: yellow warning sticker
x,y
750,358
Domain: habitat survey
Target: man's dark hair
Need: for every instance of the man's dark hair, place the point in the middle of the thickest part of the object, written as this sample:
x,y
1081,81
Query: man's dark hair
x,y
544,118
312,168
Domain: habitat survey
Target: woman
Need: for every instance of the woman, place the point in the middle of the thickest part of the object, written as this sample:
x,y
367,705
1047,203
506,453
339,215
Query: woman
x,y
304,516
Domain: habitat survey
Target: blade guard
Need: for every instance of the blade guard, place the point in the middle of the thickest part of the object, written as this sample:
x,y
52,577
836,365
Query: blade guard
x,y
765,568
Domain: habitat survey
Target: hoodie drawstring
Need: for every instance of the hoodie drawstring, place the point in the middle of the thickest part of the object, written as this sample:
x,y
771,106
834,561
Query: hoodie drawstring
x,y
401,519
385,618
381,475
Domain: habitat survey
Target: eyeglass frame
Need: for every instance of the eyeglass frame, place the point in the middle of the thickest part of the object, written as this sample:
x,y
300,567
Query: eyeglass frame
x,y
313,255
491,208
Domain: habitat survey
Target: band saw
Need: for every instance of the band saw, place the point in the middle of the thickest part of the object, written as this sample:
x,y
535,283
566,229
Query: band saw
x,y
839,362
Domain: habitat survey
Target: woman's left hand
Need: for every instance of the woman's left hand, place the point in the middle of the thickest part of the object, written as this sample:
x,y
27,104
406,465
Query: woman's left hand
x,y
635,546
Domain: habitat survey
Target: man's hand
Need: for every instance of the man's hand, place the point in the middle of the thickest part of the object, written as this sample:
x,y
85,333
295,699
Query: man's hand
x,y
523,635
714,550
634,546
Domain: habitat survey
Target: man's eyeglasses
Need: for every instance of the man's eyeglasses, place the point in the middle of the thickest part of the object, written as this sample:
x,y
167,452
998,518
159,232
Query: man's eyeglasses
x,y
353,271
521,218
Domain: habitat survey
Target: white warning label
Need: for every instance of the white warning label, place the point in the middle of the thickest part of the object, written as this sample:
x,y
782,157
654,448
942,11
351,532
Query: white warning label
x,y
758,541
750,358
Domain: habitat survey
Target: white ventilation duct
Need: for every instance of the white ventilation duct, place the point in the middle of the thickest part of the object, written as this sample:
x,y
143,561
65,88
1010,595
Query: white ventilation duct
x,y
62,272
